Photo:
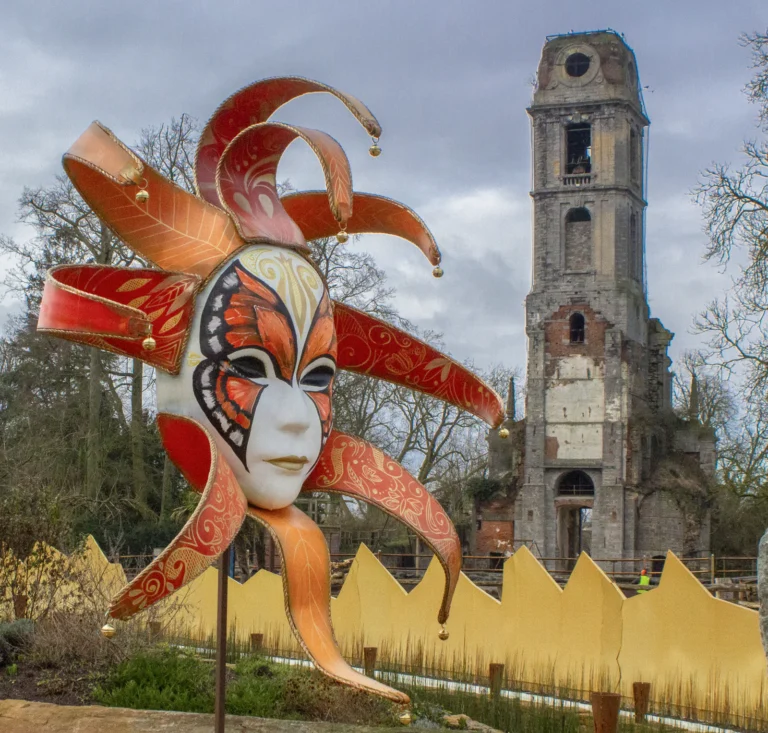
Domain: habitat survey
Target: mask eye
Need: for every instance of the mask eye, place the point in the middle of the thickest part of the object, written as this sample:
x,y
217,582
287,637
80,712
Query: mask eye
x,y
318,375
251,364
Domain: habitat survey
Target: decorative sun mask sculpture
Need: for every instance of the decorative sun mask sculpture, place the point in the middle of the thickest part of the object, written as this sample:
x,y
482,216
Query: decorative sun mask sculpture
x,y
246,340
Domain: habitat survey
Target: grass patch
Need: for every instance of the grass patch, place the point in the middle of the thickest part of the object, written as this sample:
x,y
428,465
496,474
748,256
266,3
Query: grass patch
x,y
171,680
503,714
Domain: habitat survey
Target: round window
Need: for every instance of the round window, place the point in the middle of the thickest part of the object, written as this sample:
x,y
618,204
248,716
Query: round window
x,y
577,64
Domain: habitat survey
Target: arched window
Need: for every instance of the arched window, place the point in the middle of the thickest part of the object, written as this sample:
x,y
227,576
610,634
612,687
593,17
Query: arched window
x,y
576,483
578,239
577,328
578,144
578,215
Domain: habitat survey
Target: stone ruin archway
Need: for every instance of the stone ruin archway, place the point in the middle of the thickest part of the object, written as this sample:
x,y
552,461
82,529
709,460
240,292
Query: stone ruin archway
x,y
573,507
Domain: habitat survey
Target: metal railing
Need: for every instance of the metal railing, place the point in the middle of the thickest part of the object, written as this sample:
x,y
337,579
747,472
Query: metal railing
x,y
577,179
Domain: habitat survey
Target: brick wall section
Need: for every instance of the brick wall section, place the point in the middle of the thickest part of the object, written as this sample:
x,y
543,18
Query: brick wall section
x,y
494,536
557,336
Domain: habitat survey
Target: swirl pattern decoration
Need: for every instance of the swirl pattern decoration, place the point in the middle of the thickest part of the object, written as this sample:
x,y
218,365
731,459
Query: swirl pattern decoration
x,y
369,346
354,467
207,533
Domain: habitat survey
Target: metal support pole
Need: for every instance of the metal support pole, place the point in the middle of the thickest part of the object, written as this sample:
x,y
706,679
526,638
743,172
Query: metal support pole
x,y
221,641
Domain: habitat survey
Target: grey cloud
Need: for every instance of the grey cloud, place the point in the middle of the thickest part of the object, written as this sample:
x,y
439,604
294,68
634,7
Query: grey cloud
x,y
450,81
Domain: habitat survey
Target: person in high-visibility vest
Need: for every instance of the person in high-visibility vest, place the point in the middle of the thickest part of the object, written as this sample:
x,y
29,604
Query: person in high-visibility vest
x,y
644,582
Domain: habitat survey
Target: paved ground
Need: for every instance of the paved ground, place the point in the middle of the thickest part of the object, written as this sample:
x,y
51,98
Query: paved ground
x,y
21,716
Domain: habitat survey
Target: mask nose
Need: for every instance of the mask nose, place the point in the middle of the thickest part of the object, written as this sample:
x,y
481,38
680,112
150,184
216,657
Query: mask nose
x,y
295,413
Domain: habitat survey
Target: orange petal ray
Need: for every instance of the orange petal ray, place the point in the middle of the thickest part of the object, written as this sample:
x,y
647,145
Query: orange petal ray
x,y
369,346
307,584
173,229
207,533
354,467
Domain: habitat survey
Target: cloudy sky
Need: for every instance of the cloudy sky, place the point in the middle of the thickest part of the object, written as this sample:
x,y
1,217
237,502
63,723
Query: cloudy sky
x,y
449,82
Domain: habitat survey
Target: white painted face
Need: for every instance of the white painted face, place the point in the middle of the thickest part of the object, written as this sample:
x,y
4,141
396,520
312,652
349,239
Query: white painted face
x,y
258,371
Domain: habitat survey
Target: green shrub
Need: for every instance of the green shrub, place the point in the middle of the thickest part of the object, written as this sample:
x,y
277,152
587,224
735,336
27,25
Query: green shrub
x,y
265,689
159,680
15,638
309,695
170,680
6,653
257,689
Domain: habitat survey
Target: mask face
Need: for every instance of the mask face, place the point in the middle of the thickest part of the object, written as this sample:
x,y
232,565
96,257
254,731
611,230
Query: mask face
x,y
258,371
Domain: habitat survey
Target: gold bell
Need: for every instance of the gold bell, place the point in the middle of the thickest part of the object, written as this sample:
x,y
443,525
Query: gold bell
x,y
108,631
437,272
148,344
375,150
405,718
503,433
443,633
142,196
342,236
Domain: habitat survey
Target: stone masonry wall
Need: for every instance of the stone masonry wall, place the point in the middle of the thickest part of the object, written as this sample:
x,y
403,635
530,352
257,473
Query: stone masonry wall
x,y
578,245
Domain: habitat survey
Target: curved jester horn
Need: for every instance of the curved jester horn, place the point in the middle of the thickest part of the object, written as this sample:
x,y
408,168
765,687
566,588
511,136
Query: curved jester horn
x,y
246,181
354,467
372,215
253,104
207,533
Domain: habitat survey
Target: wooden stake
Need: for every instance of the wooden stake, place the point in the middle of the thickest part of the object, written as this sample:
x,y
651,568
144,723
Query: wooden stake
x,y
496,675
221,642
605,710
642,694
369,659
155,629
257,640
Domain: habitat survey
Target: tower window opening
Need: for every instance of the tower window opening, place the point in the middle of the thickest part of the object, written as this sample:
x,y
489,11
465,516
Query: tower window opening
x,y
576,483
634,254
577,64
577,328
578,149
575,216
578,240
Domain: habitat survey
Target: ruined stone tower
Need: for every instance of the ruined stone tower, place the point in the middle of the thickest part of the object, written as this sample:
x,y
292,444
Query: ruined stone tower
x,y
599,431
